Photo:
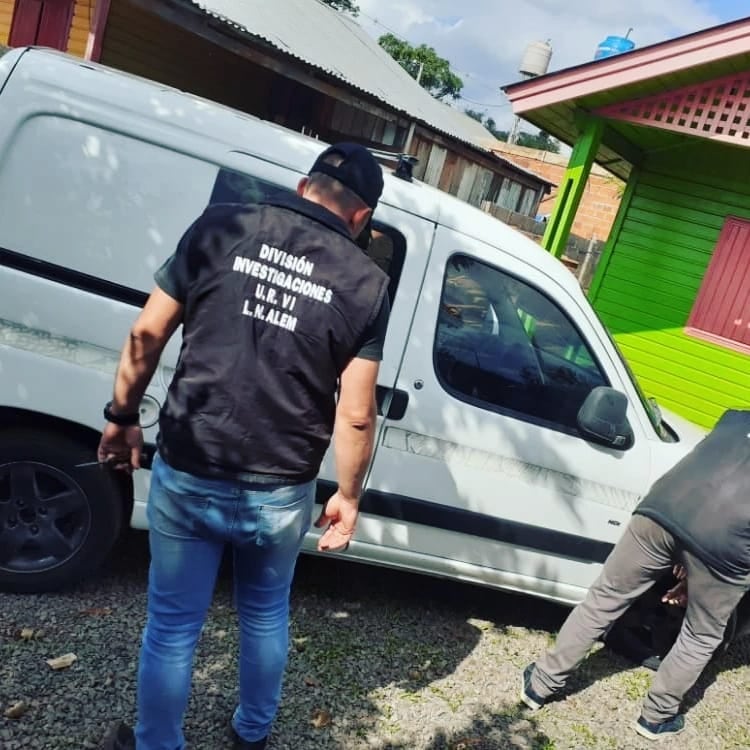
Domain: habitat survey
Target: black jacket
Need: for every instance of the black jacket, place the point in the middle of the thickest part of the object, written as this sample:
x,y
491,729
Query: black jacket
x,y
278,300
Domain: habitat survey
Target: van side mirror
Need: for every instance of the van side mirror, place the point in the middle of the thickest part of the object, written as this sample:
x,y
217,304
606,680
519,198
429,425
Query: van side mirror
x,y
602,418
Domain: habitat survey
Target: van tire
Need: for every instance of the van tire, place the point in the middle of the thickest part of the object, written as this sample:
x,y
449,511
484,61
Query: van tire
x,y
57,521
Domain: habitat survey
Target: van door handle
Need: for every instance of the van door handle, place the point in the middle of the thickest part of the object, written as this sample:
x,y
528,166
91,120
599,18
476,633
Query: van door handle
x,y
392,402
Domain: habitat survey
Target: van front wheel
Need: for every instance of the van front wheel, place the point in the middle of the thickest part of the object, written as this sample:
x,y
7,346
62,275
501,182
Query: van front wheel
x,y
58,521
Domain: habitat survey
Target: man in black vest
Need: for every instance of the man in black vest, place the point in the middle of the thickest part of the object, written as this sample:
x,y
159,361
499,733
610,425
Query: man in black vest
x,y
697,516
280,309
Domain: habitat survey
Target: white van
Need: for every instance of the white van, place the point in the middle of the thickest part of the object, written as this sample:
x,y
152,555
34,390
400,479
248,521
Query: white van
x,y
513,442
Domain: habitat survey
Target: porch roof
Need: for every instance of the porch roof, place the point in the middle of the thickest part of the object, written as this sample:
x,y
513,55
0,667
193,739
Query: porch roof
x,y
555,102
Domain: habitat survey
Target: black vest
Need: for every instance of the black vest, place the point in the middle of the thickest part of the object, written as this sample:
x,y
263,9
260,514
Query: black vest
x,y
703,500
278,303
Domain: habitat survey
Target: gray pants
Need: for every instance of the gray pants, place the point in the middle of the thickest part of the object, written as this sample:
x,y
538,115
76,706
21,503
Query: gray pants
x,y
644,553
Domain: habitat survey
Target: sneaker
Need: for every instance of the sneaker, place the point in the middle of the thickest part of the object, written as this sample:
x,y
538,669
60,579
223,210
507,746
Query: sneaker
x,y
660,730
528,696
240,744
118,737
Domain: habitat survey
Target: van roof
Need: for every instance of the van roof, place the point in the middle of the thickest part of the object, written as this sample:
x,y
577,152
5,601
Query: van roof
x,y
239,131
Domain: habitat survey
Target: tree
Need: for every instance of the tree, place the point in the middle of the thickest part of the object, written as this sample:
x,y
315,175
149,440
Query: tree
x,y
475,114
346,6
488,122
543,141
423,63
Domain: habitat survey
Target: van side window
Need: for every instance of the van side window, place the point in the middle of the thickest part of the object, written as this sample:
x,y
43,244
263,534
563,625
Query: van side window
x,y
504,345
388,250
387,246
235,187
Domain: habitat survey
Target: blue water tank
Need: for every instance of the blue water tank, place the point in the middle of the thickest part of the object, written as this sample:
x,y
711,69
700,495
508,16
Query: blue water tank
x,y
613,45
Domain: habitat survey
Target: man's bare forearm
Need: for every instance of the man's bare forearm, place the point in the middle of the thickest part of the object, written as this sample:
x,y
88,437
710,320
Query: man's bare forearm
x,y
138,362
140,356
353,441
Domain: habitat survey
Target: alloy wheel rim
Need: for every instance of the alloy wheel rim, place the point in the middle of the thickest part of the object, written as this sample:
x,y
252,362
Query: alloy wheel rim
x,y
44,517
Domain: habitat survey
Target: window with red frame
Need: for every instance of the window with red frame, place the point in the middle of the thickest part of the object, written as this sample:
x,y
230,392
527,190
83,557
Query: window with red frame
x,y
42,22
722,311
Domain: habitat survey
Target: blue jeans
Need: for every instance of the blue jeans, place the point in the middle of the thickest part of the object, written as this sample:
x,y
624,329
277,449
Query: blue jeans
x,y
191,521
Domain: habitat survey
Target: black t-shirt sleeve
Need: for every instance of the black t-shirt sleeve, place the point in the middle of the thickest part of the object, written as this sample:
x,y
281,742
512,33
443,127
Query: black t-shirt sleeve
x,y
373,338
181,270
173,276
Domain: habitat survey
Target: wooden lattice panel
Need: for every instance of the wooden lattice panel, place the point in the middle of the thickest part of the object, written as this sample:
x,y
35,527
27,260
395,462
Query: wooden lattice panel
x,y
718,109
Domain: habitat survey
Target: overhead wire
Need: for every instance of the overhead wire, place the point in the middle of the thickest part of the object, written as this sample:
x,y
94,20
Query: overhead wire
x,y
462,73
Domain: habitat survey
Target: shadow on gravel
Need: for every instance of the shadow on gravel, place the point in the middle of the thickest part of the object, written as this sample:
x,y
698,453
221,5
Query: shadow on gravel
x,y
360,637
366,643
604,663
735,657
509,729
365,639
452,604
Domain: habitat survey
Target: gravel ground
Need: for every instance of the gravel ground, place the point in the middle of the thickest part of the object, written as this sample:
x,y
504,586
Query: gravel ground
x,y
379,660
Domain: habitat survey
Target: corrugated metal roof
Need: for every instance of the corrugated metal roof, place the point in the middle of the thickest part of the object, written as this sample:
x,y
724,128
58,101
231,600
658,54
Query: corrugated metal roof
x,y
335,43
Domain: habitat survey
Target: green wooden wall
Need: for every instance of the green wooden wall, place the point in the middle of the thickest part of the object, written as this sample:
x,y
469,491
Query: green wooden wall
x,y
652,270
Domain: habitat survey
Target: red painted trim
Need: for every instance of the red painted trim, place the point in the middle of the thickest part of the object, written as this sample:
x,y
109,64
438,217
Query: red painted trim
x,y
98,27
718,340
24,23
715,109
43,23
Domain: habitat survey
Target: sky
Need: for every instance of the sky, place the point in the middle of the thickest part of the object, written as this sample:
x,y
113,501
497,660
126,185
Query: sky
x,y
485,40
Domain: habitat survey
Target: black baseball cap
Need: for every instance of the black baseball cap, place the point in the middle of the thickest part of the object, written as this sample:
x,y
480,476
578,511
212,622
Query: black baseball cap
x,y
359,171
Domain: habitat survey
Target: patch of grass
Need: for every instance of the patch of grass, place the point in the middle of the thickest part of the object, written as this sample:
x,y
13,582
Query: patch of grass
x,y
587,737
386,721
412,696
453,700
635,684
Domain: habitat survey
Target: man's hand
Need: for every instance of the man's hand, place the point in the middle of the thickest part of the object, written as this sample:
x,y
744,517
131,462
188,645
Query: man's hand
x,y
120,447
340,513
678,595
354,435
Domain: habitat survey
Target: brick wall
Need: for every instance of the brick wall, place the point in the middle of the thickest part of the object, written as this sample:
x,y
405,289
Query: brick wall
x,y
601,198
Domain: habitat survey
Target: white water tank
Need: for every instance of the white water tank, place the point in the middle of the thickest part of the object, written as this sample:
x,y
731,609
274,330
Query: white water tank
x,y
535,61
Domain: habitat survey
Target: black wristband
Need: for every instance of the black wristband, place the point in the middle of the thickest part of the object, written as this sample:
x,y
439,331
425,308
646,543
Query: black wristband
x,y
121,420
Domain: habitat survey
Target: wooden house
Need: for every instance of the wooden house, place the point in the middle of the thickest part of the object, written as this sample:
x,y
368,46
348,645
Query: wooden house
x,y
298,63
